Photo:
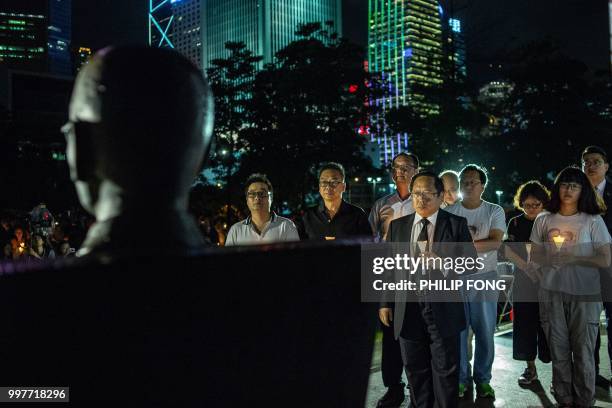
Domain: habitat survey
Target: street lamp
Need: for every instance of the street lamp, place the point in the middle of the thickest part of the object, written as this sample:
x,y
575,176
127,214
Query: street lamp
x,y
499,193
373,181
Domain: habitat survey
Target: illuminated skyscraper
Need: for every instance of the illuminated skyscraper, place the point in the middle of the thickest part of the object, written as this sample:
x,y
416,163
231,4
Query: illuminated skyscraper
x,y
160,23
35,35
405,45
456,46
186,31
60,33
81,58
265,26
199,29
610,25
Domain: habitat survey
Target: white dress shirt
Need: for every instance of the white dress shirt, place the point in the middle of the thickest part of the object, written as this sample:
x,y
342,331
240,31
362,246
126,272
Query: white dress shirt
x,y
601,188
417,226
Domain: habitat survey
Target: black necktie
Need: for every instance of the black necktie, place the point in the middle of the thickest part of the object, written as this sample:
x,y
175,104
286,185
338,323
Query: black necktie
x,y
423,236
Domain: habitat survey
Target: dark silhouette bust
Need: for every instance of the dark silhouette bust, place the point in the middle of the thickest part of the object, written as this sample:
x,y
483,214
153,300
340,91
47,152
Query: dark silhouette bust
x,y
142,321
140,127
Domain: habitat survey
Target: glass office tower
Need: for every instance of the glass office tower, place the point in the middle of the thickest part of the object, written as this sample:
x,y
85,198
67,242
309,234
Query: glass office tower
x,y
35,35
199,29
405,46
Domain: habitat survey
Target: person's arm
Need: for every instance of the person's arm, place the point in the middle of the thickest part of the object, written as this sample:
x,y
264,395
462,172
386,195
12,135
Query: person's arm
x,y
529,268
492,243
230,240
600,239
374,220
291,232
301,227
496,232
385,312
538,249
601,258
365,229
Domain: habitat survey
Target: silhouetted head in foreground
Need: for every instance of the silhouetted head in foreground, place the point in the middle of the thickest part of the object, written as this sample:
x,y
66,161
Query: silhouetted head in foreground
x,y
140,124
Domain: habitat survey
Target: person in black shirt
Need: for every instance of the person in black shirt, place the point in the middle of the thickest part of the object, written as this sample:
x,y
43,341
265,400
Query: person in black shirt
x,y
334,218
528,340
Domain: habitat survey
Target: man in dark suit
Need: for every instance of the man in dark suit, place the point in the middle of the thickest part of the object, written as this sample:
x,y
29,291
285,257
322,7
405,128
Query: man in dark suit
x,y
595,165
429,331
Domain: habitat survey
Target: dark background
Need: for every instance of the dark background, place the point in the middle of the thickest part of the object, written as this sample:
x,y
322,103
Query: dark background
x,y
491,27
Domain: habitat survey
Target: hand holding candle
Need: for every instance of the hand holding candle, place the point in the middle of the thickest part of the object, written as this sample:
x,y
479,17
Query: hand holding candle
x,y
558,240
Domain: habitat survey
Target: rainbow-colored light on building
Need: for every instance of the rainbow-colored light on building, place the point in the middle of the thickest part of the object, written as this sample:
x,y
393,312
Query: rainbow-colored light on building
x,y
405,46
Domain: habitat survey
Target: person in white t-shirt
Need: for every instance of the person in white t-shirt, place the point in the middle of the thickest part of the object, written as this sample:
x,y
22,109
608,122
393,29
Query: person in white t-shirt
x,y
571,242
487,224
262,226
450,178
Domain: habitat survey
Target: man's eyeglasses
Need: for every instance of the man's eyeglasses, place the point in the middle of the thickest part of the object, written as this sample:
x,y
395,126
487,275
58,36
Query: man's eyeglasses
x,y
470,183
592,163
570,186
258,194
402,169
330,184
424,195
532,206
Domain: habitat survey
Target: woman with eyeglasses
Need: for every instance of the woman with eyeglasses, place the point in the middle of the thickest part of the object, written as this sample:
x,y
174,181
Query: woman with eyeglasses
x,y
571,242
528,340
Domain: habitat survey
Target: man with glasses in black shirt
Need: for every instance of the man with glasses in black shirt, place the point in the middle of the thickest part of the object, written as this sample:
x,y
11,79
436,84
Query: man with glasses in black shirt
x,y
333,218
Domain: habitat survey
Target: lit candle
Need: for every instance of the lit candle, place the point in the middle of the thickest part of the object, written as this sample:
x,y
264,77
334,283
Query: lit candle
x,y
558,240
528,248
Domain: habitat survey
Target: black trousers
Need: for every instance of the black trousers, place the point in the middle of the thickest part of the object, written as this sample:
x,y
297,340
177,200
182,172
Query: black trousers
x,y
608,309
432,362
391,364
528,339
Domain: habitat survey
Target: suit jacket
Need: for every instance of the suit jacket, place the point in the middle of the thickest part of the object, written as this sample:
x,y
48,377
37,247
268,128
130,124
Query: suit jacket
x,y
606,273
607,197
448,315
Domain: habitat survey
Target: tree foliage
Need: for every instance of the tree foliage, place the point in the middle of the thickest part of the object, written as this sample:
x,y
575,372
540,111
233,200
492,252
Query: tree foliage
x,y
292,115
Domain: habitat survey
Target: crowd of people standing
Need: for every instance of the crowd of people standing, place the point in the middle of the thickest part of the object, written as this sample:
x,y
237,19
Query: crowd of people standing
x,y
558,300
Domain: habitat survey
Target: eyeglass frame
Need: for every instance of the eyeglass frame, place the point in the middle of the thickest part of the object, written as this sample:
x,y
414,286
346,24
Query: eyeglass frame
x,y
471,184
425,195
532,206
570,186
403,169
593,163
258,194
330,184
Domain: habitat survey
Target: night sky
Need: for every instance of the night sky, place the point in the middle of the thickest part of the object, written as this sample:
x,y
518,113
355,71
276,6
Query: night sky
x,y
491,27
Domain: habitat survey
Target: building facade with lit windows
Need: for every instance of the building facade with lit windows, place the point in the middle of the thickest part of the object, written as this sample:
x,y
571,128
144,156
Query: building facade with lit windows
x,y
405,45
186,31
160,23
199,29
35,35
60,34
456,44
82,56
265,26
